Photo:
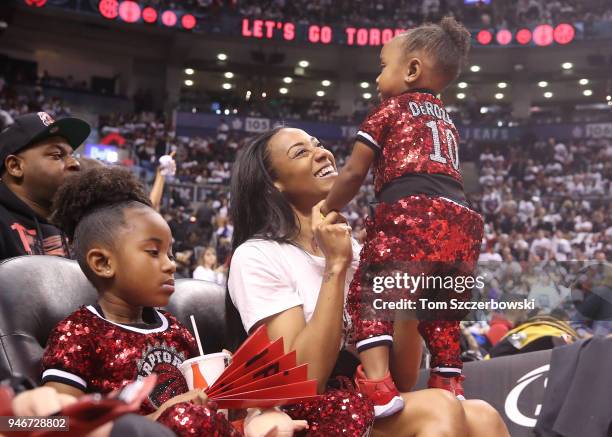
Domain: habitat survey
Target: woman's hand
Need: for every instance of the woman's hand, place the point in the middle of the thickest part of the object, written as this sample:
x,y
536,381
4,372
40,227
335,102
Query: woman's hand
x,y
196,396
333,236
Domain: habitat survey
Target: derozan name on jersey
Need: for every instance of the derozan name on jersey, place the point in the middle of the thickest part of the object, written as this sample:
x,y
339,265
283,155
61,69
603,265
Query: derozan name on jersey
x,y
429,108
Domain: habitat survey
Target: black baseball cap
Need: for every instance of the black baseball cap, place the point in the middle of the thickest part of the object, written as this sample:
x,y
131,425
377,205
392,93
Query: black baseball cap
x,y
30,129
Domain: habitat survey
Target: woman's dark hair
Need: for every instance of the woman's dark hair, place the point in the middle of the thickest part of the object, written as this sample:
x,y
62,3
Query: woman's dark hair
x,y
257,209
89,207
448,43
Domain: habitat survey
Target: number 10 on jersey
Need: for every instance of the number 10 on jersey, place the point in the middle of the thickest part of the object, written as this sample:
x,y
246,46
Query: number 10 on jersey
x,y
451,143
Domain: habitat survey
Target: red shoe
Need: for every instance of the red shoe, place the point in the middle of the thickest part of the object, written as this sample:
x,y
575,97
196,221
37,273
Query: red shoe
x,y
382,392
452,384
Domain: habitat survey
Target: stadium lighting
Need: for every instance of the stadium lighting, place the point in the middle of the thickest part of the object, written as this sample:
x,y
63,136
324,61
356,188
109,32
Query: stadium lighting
x,y
229,75
248,95
567,65
484,110
462,85
502,85
542,84
583,81
548,94
475,68
461,96
320,93
325,82
303,64
227,86
283,90
189,71
287,79
226,112
264,95
609,98
587,93
499,96
367,96
364,85
222,57
189,82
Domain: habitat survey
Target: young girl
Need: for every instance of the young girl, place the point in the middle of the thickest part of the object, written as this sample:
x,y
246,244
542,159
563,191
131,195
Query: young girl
x,y
124,247
422,225
207,269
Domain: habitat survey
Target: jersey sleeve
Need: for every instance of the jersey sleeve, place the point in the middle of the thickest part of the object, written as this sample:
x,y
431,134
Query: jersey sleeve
x,y
258,286
68,357
373,131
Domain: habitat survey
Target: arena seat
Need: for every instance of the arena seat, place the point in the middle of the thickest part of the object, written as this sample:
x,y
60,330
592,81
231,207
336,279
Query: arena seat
x,y
36,292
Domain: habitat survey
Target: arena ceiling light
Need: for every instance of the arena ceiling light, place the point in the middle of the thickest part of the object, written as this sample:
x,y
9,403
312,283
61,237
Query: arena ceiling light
x,y
462,85
367,96
222,57
567,65
189,71
364,85
475,68
542,84
609,98
484,110
283,90
189,82
287,79
502,85
587,93
320,93
499,96
548,94
229,75
325,82
304,64
227,86
461,96
583,81
264,95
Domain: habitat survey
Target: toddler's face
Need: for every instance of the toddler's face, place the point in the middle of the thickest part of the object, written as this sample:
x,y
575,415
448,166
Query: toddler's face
x,y
391,80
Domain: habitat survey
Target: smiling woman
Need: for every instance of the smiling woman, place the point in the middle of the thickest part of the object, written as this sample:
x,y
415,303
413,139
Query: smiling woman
x,y
290,271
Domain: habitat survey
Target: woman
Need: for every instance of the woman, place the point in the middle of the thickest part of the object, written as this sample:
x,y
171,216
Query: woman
x,y
207,269
290,270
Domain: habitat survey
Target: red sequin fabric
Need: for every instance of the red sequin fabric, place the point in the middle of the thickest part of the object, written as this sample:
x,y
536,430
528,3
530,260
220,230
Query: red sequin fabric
x,y
187,419
415,236
98,356
412,133
336,413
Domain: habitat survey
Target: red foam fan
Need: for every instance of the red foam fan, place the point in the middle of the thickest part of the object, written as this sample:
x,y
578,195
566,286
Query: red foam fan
x,y
262,375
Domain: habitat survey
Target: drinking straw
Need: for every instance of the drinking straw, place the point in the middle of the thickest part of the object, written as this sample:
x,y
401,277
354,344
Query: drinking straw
x,y
197,336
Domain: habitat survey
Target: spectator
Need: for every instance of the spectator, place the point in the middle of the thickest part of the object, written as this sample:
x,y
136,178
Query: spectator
x,y
35,157
208,269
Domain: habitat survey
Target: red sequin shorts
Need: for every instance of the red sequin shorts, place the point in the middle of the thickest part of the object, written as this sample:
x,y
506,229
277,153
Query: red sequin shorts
x,y
417,236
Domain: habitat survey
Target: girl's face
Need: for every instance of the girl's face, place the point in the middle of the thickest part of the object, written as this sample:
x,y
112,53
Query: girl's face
x,y
305,169
142,263
391,80
210,258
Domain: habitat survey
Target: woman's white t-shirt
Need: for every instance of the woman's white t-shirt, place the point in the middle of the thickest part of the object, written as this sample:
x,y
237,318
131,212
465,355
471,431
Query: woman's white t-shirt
x,y
267,278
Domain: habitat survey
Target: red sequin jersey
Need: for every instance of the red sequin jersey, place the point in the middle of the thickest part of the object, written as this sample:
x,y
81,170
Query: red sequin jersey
x,y
95,355
411,133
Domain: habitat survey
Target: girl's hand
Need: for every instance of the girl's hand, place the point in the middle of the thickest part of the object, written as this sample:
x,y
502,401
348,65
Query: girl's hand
x,y
196,396
333,235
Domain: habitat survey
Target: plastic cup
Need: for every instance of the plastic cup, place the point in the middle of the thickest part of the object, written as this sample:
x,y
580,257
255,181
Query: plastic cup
x,y
202,372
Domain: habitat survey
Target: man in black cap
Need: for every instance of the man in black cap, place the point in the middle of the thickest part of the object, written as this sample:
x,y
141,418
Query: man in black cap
x,y
35,157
